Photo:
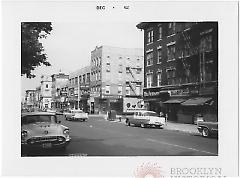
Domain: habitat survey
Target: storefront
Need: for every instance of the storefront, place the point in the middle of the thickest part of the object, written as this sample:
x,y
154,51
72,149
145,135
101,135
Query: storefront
x,y
154,98
184,105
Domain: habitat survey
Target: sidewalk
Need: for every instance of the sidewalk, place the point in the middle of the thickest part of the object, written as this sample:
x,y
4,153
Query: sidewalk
x,y
187,128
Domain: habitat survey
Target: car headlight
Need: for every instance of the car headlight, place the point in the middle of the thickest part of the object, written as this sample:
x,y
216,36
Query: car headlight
x,y
66,131
24,133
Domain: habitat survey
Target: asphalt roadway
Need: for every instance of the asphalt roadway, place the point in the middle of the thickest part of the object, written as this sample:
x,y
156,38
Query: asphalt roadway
x,y
98,137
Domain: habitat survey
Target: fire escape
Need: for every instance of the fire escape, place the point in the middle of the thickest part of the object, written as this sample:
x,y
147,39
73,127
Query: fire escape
x,y
132,81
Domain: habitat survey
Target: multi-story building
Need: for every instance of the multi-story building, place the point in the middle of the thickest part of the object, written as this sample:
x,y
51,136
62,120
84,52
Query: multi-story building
x,y
38,96
115,73
30,99
181,68
58,80
78,89
45,92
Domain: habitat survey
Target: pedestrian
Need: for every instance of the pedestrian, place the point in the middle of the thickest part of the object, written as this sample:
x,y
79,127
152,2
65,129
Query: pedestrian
x,y
166,118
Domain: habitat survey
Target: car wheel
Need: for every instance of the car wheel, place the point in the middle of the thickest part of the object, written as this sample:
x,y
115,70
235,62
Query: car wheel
x,y
205,132
142,125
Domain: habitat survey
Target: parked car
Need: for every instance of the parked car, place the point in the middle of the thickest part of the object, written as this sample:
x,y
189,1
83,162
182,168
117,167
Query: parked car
x,y
145,118
208,128
42,130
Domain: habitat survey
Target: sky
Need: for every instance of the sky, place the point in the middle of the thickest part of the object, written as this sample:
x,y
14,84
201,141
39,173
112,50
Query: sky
x,y
69,45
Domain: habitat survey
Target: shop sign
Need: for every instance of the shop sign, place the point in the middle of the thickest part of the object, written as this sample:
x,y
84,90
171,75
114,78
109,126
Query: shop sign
x,y
111,96
94,94
152,93
183,92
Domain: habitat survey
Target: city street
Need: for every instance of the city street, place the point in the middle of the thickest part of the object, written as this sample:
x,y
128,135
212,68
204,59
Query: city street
x,y
99,137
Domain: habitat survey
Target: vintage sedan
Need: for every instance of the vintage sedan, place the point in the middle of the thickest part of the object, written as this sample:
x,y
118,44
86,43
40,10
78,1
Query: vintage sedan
x,y
145,118
79,115
42,130
208,129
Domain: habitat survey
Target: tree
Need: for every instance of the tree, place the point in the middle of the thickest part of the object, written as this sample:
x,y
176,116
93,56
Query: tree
x,y
32,51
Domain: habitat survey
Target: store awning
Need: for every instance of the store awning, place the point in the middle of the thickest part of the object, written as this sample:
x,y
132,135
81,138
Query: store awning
x,y
196,101
174,101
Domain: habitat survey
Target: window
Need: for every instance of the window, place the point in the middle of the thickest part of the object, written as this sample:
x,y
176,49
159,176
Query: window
x,y
120,68
150,36
88,77
149,80
128,90
138,89
46,85
120,76
149,58
120,89
108,67
159,56
76,80
80,79
159,78
83,78
206,43
107,90
138,71
171,28
160,32
171,74
171,52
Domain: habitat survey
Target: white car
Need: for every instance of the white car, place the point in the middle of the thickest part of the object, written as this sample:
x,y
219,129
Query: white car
x,y
78,115
145,118
42,130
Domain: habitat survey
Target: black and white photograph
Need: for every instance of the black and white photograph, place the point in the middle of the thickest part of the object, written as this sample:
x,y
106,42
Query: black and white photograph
x,y
146,93
159,100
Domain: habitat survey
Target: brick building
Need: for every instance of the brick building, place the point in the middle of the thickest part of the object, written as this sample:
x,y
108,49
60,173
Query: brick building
x,y
115,73
181,68
78,89
58,80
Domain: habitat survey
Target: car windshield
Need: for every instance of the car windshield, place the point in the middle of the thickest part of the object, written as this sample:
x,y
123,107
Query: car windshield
x,y
38,118
151,114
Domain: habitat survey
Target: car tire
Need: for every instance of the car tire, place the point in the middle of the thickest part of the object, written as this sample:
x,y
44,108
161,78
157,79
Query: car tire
x,y
142,125
205,132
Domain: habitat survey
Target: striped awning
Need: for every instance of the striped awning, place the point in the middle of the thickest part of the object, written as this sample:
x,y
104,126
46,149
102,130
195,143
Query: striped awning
x,y
196,101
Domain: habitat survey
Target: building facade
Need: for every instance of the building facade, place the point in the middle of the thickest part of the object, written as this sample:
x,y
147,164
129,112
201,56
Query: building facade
x,y
181,69
45,99
30,99
58,80
115,73
79,89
